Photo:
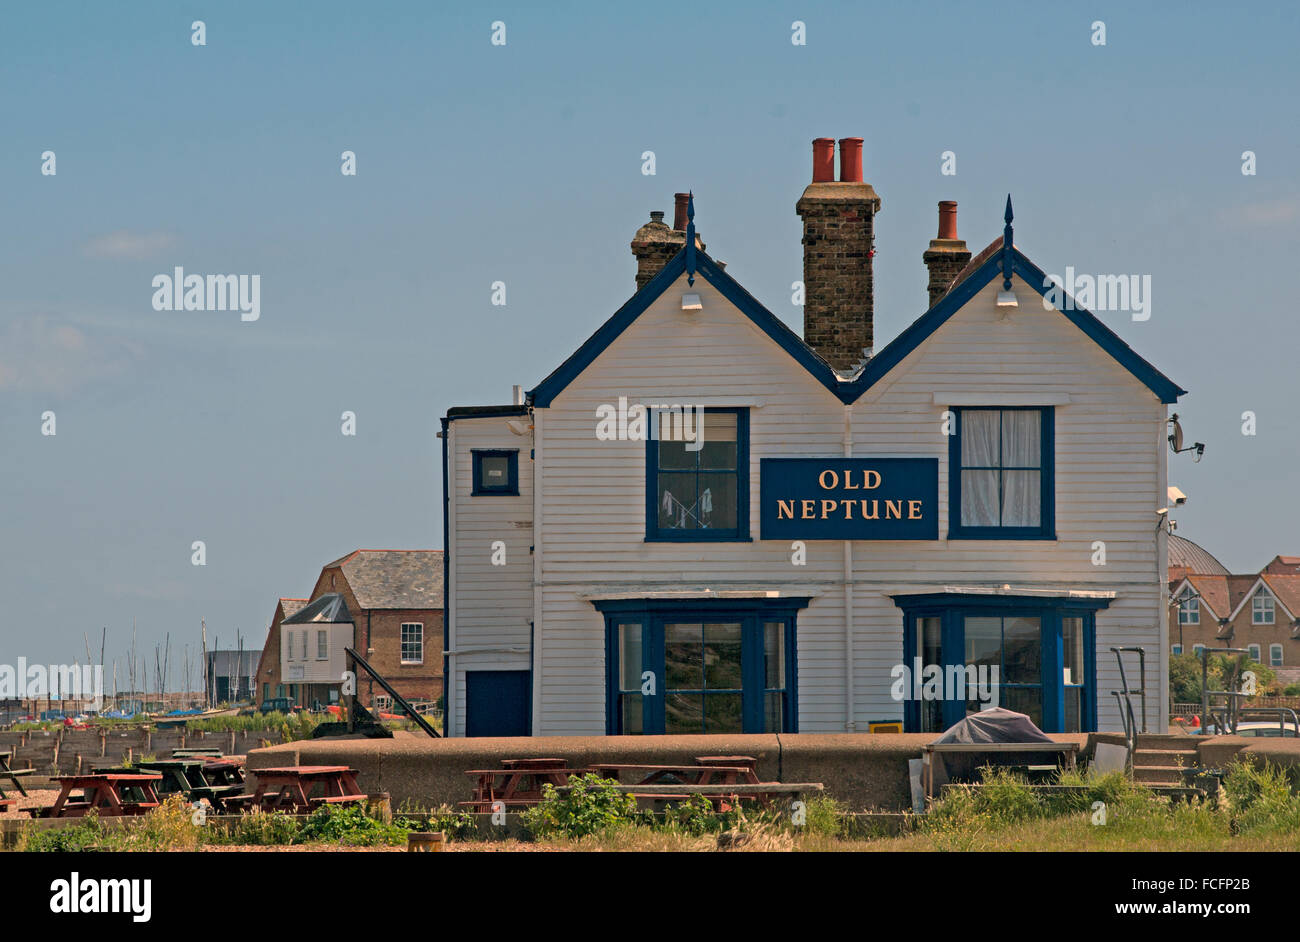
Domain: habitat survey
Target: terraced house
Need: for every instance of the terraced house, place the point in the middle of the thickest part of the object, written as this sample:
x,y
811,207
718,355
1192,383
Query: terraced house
x,y
702,522
1257,612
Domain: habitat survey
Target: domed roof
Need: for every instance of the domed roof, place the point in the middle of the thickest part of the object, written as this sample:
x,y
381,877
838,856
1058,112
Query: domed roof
x,y
1191,558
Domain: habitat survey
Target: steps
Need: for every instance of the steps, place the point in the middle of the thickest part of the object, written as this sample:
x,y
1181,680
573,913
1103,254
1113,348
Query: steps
x,y
1160,758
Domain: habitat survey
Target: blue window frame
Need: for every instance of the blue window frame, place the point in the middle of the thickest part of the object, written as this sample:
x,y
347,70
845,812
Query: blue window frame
x,y
701,666
1001,474
1044,649
698,494
496,471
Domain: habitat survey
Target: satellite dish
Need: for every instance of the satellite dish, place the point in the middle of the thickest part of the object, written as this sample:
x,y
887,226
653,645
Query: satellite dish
x,y
1176,439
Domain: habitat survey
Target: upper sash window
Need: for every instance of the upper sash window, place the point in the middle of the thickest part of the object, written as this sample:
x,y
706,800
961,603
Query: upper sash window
x,y
1000,474
697,479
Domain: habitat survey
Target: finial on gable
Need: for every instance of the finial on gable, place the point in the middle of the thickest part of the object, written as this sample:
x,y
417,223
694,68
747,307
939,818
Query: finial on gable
x,y
690,238
1006,247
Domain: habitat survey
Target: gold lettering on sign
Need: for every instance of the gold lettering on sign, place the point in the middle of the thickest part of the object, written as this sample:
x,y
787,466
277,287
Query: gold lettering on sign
x,y
784,509
835,480
808,509
875,509
893,510
871,479
913,510
828,506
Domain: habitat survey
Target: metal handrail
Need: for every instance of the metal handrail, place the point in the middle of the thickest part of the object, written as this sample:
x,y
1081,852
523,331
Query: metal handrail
x,y
1228,720
1124,698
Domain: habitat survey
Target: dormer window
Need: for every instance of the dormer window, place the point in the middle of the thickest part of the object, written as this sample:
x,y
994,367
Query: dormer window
x,y
1189,608
1261,608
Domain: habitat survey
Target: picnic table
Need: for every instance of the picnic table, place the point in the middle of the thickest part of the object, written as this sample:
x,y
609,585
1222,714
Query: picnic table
x,y
13,775
518,783
186,777
289,789
109,793
224,771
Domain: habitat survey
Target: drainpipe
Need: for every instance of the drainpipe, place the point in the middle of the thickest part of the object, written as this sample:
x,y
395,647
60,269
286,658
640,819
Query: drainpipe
x,y
850,724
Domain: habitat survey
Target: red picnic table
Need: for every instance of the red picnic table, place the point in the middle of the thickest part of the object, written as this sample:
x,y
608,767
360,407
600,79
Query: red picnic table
x,y
109,793
289,789
518,784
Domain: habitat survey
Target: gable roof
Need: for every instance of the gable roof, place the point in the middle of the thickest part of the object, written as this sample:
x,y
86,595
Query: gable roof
x,y
1185,585
393,579
292,606
330,608
1257,583
1286,589
973,279
544,393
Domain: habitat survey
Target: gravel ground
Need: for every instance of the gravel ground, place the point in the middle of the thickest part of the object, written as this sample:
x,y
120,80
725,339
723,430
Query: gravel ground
x,y
41,798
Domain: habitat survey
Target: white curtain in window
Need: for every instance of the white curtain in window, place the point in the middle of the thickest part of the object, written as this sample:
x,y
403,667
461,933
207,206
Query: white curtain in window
x,y
1021,447
979,449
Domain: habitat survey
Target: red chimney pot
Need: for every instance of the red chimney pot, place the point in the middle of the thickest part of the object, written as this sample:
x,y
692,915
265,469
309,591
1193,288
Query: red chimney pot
x,y
947,219
850,160
824,160
679,211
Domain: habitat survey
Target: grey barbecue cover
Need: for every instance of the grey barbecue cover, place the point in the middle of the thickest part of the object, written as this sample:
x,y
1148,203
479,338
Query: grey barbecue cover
x,y
995,725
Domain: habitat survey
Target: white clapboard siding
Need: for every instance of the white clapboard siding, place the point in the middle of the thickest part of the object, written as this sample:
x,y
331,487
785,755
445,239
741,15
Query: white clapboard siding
x,y
1109,481
492,605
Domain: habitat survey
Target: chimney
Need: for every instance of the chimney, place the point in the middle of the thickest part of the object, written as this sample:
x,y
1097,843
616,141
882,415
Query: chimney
x,y
681,201
838,238
654,244
947,254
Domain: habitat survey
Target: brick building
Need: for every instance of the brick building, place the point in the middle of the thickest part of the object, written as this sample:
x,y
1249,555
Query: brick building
x,y
268,683
386,604
1212,607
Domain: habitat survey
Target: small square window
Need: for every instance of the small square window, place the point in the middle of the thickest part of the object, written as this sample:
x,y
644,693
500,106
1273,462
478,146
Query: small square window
x,y
496,472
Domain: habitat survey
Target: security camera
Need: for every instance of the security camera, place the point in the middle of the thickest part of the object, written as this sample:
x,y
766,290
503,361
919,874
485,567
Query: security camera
x,y
1176,497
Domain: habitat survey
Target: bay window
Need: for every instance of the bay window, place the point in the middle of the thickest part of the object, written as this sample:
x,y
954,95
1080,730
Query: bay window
x,y
1032,655
700,666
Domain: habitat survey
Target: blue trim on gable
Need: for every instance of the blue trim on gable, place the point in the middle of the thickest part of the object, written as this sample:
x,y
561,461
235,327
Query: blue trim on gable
x,y
1103,336
889,357
545,392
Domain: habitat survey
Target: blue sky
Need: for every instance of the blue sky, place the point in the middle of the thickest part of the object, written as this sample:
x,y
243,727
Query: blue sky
x,y
521,163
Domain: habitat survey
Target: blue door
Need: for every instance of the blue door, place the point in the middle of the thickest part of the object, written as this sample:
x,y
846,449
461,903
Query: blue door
x,y
498,703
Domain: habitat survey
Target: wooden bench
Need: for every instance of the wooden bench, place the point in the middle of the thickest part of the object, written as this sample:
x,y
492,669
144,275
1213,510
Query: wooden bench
x,y
689,774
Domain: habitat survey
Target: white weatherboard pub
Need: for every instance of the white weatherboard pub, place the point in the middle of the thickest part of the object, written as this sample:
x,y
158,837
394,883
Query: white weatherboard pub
x,y
941,501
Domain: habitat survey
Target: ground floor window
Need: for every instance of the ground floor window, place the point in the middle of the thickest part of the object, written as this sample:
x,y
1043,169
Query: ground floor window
x,y
703,666
1031,655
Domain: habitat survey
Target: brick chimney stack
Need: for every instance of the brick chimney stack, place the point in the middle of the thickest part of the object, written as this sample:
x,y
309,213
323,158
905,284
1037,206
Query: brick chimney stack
x,y
947,254
654,244
838,226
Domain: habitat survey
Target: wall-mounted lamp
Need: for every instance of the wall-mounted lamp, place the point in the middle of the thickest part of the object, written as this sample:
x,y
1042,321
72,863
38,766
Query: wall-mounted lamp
x,y
692,302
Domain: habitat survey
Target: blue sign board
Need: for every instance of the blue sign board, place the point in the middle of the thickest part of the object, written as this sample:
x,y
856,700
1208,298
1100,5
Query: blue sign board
x,y
849,498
